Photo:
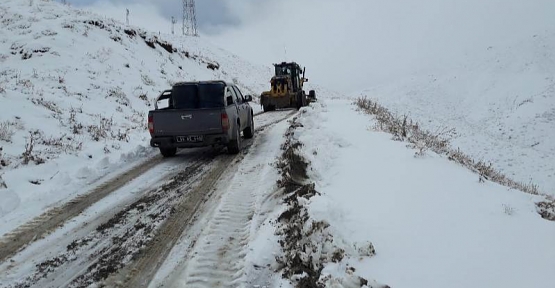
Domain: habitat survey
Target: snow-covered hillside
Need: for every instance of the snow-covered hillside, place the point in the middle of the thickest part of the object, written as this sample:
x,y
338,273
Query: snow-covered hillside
x,y
74,92
501,101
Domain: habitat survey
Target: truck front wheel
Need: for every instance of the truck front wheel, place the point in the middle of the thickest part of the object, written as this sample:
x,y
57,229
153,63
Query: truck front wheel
x,y
168,152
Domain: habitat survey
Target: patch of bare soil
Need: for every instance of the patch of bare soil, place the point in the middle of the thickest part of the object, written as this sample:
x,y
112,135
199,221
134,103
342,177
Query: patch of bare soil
x,y
307,245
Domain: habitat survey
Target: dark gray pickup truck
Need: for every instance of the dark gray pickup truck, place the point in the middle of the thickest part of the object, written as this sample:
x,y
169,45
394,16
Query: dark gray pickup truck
x,y
199,114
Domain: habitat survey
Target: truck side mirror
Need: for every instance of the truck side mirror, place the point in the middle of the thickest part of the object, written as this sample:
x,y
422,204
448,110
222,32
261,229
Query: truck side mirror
x,y
248,98
229,100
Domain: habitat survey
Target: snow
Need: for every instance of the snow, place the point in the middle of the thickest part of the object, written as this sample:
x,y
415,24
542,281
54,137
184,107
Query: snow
x,y
500,100
86,86
431,221
79,86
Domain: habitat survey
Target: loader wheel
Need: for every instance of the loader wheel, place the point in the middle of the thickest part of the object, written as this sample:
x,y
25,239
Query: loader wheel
x,y
299,101
234,145
249,131
168,152
269,108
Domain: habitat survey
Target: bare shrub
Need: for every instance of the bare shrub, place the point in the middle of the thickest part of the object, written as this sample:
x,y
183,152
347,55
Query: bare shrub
x,y
50,105
405,129
121,135
2,90
6,131
138,120
3,162
63,144
147,80
102,130
119,95
508,210
76,127
546,209
2,183
29,154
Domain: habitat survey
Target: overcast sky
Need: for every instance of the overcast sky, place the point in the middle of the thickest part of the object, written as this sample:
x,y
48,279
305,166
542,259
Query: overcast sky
x,y
349,44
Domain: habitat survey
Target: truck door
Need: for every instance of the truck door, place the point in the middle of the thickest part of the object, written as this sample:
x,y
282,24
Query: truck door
x,y
243,107
230,94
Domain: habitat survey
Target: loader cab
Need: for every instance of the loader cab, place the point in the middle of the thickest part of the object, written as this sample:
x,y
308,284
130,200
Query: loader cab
x,y
290,70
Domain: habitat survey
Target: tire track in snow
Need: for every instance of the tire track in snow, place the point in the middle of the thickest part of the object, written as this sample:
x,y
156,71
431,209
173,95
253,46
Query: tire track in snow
x,y
218,258
141,272
44,224
52,219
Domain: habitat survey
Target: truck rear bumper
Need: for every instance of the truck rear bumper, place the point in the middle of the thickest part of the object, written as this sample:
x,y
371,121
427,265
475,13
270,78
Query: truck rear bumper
x,y
170,141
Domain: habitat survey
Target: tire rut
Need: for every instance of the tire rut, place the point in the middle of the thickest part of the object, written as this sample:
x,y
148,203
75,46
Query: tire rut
x,y
141,272
108,248
146,264
44,224
128,241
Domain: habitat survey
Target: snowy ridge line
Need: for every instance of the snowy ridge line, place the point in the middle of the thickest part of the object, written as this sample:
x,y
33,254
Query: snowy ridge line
x,y
145,265
55,217
404,129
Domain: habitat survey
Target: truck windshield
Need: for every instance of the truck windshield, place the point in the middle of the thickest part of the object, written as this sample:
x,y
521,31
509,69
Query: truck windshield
x,y
198,96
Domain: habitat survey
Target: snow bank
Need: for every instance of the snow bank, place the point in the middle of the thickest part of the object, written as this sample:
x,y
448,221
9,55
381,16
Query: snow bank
x,y
431,221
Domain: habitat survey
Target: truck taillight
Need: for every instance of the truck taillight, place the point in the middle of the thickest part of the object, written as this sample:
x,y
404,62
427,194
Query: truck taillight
x,y
225,122
150,125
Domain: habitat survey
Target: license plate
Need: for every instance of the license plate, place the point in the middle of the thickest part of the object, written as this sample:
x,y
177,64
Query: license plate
x,y
192,138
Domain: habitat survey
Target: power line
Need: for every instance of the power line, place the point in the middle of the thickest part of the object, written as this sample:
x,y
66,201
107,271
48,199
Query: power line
x,y
189,18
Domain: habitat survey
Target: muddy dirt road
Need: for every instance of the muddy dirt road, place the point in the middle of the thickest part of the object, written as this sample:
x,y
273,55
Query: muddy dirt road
x,y
121,232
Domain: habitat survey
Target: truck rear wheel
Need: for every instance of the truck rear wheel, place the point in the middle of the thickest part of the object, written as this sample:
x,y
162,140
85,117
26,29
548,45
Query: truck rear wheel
x,y
249,131
234,145
168,152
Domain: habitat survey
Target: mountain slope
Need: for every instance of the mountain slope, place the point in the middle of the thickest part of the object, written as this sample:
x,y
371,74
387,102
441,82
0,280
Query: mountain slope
x,y
74,92
501,101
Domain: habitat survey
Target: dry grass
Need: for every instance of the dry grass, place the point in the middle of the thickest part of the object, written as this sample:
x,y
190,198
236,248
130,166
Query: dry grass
x,y
6,131
404,129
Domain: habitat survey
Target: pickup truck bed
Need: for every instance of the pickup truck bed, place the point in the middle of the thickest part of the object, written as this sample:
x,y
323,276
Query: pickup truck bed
x,y
201,114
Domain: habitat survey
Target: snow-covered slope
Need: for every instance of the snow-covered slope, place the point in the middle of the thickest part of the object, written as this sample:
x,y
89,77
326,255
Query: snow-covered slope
x,y
74,92
432,223
501,101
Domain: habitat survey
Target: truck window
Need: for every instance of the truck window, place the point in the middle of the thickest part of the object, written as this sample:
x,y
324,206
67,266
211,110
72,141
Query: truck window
x,y
238,99
239,94
198,96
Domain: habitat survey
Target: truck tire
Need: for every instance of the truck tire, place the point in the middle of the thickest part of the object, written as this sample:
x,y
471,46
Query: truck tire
x,y
234,145
168,152
249,131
